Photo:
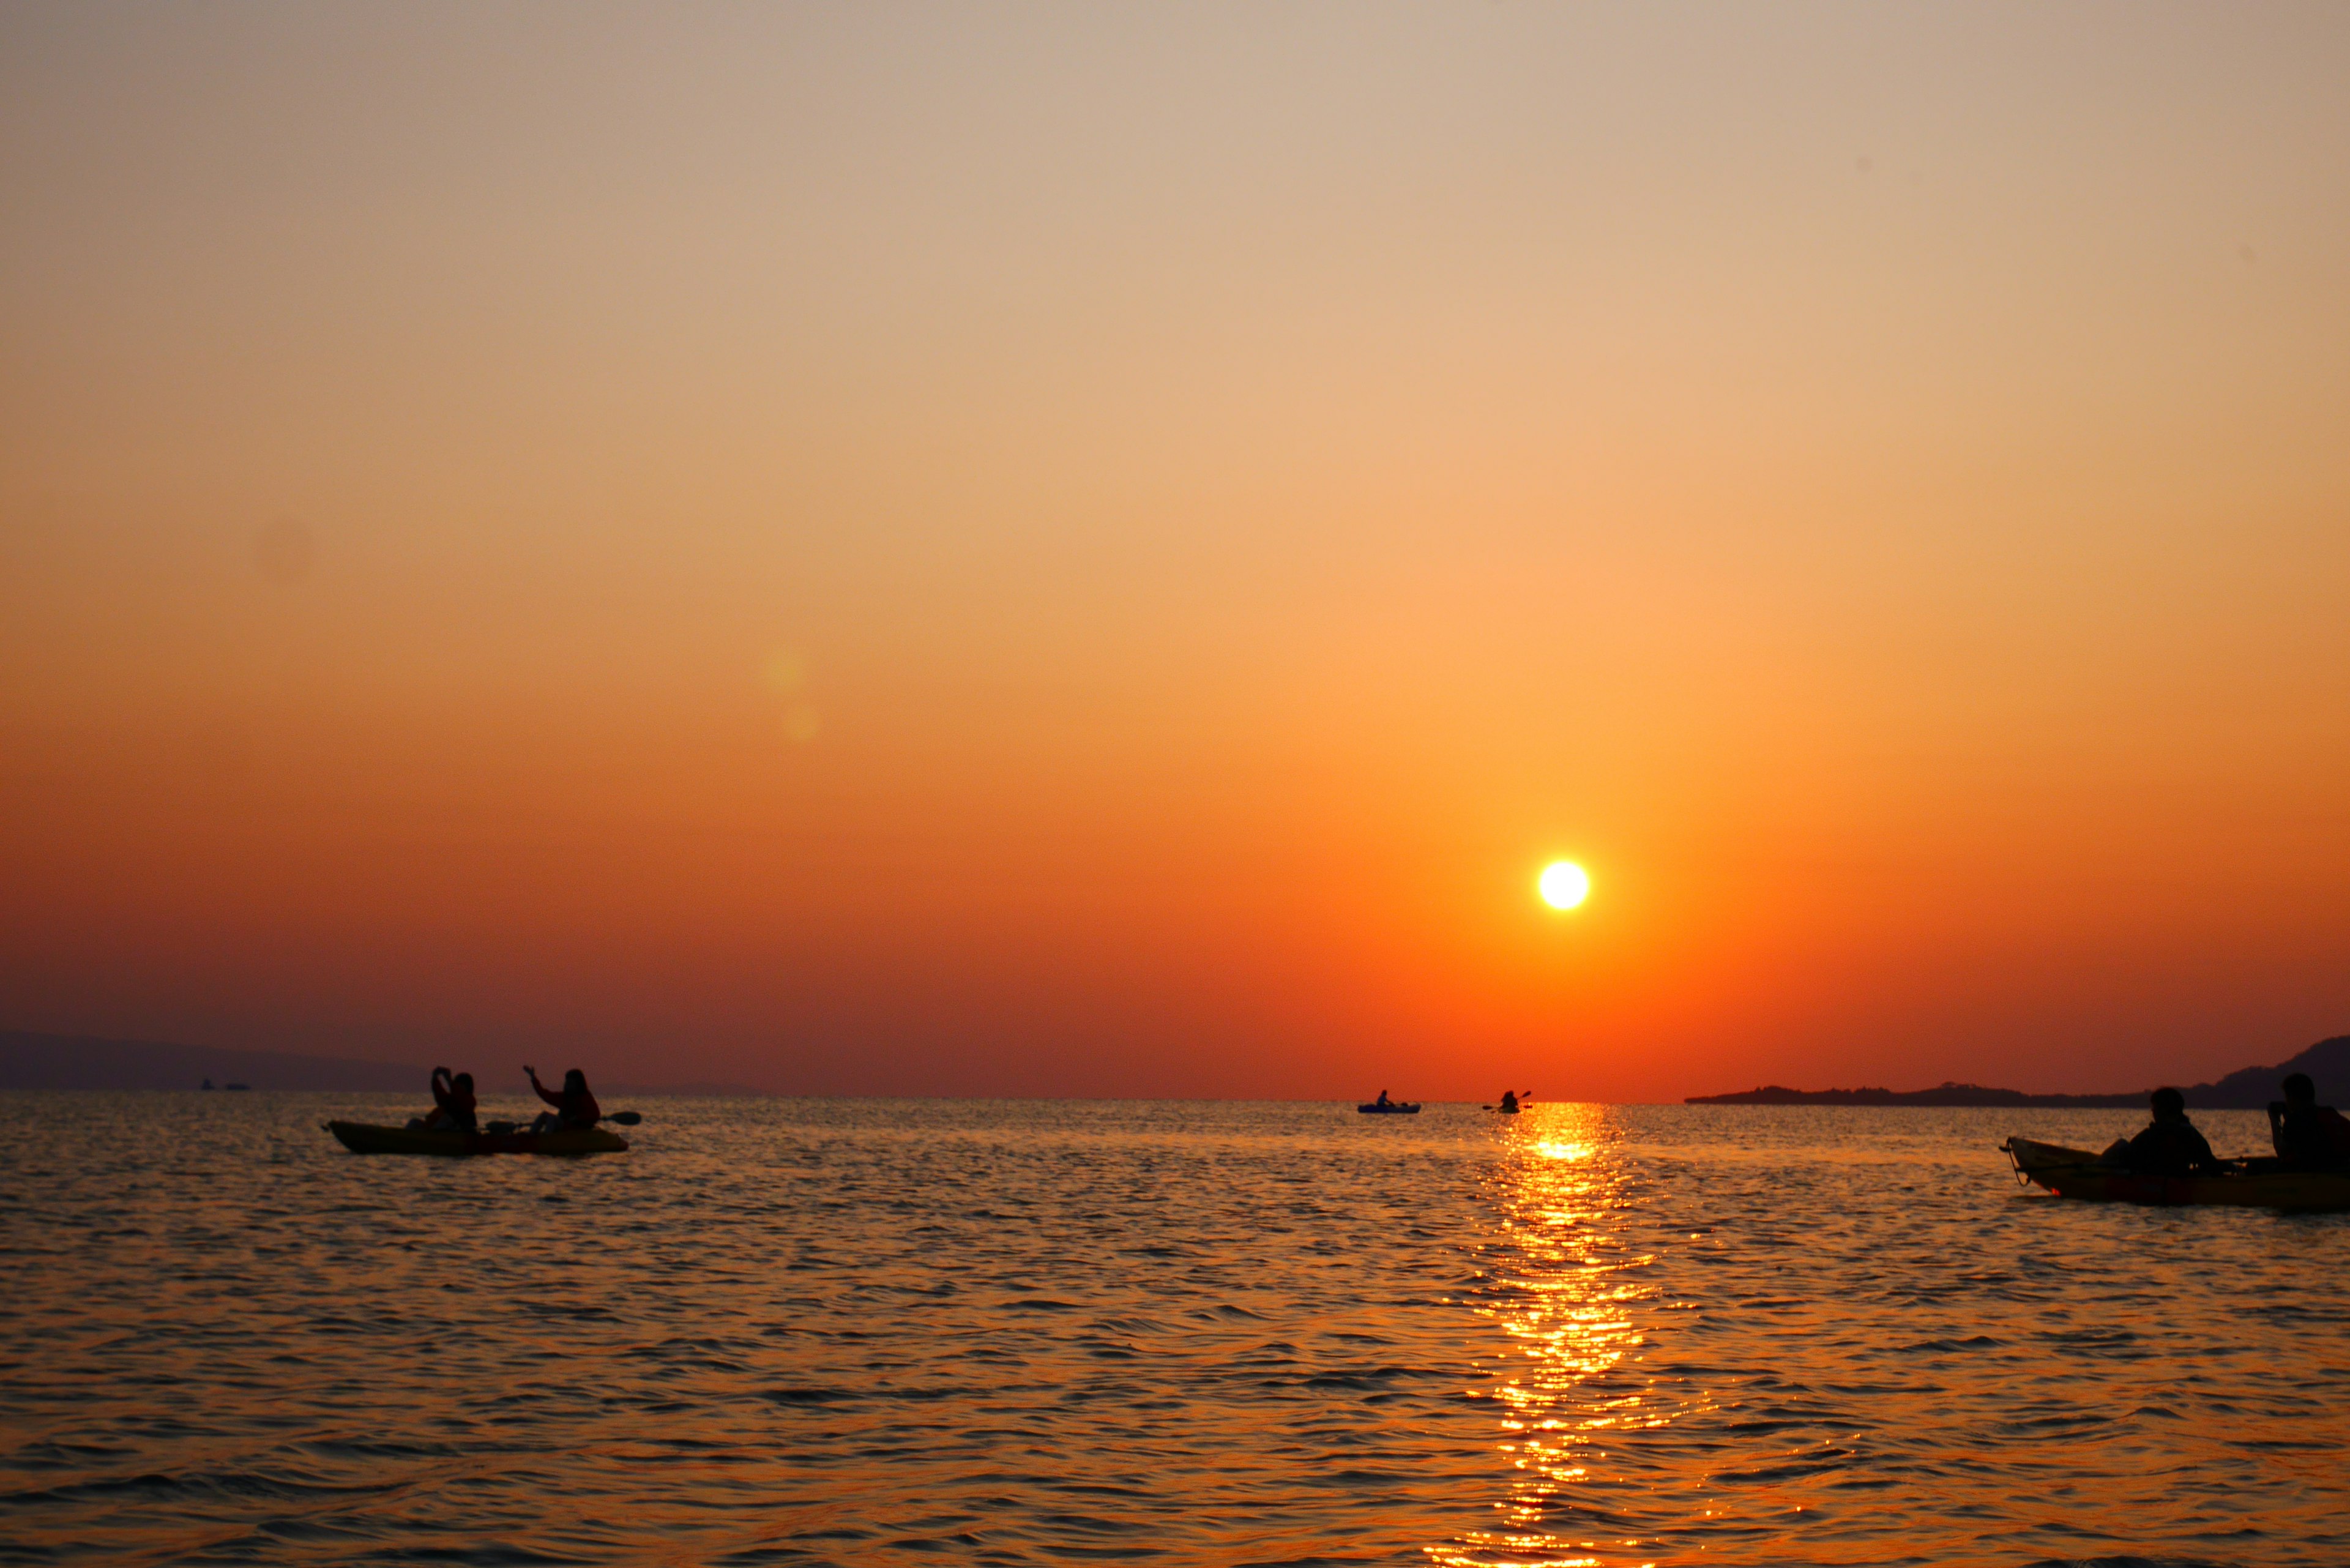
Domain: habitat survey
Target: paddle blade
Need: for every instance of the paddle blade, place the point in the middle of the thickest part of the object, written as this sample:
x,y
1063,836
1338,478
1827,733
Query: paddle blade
x,y
625,1118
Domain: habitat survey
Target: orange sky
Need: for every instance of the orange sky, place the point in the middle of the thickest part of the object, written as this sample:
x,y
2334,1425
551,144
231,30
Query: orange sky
x,y
1099,550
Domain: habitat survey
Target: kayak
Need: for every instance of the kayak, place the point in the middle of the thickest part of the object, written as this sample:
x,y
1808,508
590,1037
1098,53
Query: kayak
x,y
2077,1173
363,1138
1392,1108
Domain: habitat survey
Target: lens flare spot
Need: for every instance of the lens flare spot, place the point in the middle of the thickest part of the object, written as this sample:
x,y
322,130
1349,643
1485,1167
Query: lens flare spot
x,y
783,671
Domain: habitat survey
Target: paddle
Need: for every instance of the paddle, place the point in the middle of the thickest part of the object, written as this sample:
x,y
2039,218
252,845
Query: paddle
x,y
505,1130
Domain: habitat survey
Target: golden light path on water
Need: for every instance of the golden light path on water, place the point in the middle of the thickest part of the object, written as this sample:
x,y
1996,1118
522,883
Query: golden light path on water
x,y
1560,1283
900,1333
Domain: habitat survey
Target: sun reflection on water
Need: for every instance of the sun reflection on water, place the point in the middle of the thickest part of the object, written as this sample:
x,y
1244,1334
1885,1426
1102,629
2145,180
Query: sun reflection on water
x,y
1559,1283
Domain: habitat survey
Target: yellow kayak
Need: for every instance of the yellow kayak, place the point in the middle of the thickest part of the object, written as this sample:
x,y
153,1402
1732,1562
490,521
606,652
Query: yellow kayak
x,y
363,1138
2077,1173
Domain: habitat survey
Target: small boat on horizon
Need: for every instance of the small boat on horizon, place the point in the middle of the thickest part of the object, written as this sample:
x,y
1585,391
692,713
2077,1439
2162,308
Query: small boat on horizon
x,y
2253,1184
1383,1106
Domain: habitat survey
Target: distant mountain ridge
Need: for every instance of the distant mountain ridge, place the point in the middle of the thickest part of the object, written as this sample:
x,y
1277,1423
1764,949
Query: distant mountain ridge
x,y
29,1061
79,1062
2246,1089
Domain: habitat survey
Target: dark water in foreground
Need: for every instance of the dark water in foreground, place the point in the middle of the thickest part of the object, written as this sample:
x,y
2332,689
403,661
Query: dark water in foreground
x,y
881,1332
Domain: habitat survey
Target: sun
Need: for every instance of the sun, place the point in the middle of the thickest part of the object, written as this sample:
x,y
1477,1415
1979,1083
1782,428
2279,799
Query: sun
x,y
1564,885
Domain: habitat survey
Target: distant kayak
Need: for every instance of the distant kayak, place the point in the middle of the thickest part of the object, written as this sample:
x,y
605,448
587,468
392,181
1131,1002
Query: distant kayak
x,y
1392,1108
2077,1173
362,1138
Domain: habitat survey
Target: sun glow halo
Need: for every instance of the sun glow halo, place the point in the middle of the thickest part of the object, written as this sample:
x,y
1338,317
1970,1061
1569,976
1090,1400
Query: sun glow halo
x,y
1564,885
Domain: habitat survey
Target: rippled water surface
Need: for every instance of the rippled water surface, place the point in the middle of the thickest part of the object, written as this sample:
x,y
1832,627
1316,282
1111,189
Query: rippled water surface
x,y
862,1332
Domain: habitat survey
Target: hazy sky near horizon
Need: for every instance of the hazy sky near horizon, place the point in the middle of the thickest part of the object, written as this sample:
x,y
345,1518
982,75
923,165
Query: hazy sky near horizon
x,y
1099,549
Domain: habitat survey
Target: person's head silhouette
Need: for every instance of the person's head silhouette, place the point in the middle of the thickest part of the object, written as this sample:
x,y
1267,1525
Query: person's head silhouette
x,y
2169,1106
2300,1091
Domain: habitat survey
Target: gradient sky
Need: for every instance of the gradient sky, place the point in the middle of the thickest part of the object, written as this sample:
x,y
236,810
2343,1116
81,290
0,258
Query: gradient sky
x,y
1099,550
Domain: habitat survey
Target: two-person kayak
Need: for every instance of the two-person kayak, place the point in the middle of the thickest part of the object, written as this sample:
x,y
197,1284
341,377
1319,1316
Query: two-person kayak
x,y
452,1129
2255,1184
364,1137
1389,1108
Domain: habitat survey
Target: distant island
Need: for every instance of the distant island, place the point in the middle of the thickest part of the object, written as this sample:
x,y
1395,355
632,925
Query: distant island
x,y
2246,1089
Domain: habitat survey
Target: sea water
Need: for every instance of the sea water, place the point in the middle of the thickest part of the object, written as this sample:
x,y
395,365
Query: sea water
x,y
898,1331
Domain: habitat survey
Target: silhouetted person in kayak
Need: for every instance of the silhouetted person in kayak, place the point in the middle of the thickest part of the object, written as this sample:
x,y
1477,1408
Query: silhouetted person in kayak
x,y
452,1102
574,1107
1509,1100
2308,1135
1383,1102
2169,1147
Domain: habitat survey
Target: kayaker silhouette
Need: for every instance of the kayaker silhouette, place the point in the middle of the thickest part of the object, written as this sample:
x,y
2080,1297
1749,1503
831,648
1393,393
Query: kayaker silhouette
x,y
2308,1135
574,1107
2169,1146
1509,1100
452,1102
1383,1099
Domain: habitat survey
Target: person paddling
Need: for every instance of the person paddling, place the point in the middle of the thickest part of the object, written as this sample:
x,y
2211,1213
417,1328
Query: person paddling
x,y
1509,1099
575,1108
2308,1135
2169,1146
452,1102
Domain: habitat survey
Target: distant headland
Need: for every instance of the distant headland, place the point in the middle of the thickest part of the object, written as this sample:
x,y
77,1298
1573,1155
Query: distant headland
x,y
77,1062
54,1062
2248,1088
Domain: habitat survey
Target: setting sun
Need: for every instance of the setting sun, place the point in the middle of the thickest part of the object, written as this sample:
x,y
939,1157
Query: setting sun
x,y
1564,885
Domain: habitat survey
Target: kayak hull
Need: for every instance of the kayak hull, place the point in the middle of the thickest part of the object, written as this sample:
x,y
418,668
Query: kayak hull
x,y
2077,1173
1392,1108
569,1143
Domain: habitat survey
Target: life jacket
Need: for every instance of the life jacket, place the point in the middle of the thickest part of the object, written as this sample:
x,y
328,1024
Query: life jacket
x,y
2313,1136
456,1102
2168,1149
576,1108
